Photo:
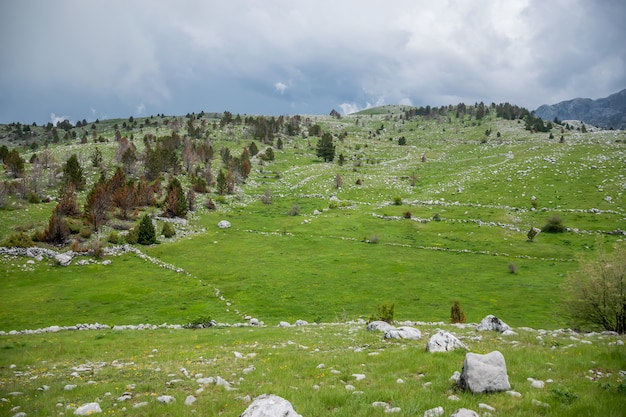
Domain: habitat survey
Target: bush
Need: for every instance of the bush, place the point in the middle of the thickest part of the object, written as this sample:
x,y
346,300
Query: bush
x,y
267,197
295,210
168,230
200,322
512,268
407,215
397,200
554,225
457,315
18,240
385,312
114,238
132,236
146,235
596,293
209,204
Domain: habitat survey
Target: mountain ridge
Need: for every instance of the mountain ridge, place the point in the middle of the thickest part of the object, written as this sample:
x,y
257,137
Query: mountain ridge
x,y
608,112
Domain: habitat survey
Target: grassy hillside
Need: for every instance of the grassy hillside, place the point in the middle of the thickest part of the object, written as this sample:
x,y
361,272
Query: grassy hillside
x,y
442,218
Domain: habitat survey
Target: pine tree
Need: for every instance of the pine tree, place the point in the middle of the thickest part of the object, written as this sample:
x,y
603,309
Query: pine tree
x,y
146,235
176,203
326,148
73,173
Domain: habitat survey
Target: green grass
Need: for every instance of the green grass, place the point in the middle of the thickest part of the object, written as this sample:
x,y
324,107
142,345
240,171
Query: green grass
x,y
287,363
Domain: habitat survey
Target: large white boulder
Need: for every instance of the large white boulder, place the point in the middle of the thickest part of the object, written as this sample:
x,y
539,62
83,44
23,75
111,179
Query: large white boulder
x,y
63,259
379,325
493,323
403,332
270,405
88,409
484,373
443,341
224,224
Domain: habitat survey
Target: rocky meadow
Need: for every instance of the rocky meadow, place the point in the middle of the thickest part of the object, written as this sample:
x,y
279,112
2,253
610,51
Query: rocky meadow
x,y
347,265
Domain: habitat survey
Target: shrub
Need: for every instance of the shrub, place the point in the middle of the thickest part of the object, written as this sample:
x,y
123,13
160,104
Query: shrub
x,y
18,240
397,200
457,315
146,235
436,217
267,197
554,225
114,238
385,312
96,249
512,268
295,210
596,293
85,233
200,322
209,204
407,215
168,230
132,236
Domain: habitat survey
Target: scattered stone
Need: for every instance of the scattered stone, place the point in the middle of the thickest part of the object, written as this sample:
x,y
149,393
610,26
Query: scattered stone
x,y
350,387
403,332
434,412
69,387
494,324
540,404
284,324
399,381
224,224
393,410
378,325
124,397
270,405
443,341
455,376
88,409
20,414
141,404
166,399
464,412
487,407
301,323
206,381
514,394
190,400
535,383
484,373
359,377
453,398
63,259
254,322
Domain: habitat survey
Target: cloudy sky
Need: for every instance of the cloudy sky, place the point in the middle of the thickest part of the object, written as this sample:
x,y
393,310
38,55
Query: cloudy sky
x,y
116,58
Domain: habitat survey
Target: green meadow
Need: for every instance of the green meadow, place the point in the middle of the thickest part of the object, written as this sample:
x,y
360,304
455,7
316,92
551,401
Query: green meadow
x,y
443,218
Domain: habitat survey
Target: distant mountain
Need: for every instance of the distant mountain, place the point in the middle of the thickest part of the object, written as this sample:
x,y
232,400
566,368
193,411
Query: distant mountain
x,y
608,112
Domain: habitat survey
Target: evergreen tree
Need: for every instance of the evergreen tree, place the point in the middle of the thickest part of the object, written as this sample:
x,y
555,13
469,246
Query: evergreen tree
x,y
221,183
176,203
326,148
146,235
14,163
73,173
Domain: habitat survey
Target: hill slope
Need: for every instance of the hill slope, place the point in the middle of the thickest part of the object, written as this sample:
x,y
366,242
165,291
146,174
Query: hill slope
x,y
608,112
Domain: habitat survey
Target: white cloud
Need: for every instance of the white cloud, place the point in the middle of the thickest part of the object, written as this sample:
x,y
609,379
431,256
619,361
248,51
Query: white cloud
x,y
280,87
56,119
526,52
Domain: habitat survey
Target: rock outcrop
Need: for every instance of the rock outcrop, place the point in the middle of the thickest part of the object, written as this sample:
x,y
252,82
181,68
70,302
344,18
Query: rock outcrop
x,y
269,405
484,373
443,341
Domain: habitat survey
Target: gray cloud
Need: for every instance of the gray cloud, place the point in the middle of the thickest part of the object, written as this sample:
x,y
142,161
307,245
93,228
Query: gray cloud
x,y
280,56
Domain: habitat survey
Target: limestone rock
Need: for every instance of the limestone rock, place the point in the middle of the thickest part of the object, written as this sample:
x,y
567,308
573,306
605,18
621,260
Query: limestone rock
x,y
403,332
443,341
434,412
484,373
63,259
269,405
464,412
379,325
88,409
493,323
224,224
166,399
